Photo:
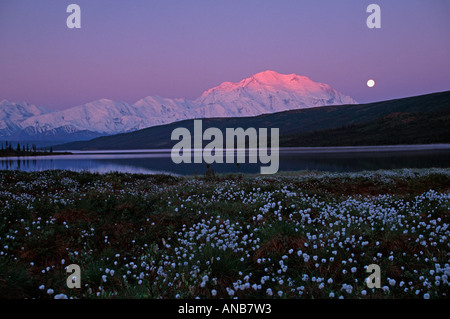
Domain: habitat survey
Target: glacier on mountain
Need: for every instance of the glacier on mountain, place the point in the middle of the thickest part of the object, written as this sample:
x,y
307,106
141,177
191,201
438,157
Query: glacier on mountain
x,y
264,92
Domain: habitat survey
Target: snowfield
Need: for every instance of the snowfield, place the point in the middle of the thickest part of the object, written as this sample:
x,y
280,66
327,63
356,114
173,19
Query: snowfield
x,y
264,92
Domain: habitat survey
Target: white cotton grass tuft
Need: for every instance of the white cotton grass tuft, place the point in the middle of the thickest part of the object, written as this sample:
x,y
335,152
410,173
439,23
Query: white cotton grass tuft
x,y
330,229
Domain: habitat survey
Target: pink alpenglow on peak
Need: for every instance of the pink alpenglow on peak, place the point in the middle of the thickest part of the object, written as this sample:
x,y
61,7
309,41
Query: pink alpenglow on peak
x,y
264,92
273,78
268,92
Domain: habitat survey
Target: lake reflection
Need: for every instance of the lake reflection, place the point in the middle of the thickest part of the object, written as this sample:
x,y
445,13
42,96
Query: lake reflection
x,y
159,161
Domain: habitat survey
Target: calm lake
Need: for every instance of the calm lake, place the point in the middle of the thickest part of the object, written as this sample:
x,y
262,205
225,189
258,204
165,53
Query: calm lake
x,y
333,159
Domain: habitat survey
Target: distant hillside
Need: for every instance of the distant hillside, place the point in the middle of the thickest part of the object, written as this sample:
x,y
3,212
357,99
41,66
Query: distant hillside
x,y
393,129
413,120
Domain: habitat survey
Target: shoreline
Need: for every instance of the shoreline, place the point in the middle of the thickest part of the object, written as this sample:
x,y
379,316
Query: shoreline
x,y
37,154
300,149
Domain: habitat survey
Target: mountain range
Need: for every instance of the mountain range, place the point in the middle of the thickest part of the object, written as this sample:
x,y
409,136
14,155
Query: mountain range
x,y
263,93
414,120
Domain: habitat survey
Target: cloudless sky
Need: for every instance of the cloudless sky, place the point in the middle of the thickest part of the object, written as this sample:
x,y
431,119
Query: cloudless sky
x,y
129,49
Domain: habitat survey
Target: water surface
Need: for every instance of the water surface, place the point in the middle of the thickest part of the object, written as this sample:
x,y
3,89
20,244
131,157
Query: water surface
x,y
333,159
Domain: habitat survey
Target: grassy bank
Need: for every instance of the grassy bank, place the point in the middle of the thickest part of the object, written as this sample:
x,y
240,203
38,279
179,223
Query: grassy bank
x,y
297,235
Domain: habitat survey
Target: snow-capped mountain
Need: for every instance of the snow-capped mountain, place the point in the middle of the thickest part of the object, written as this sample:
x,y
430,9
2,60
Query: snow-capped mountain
x,y
265,92
157,110
103,116
13,113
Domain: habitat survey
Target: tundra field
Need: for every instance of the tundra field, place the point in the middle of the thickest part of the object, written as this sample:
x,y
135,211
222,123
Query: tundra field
x,y
291,235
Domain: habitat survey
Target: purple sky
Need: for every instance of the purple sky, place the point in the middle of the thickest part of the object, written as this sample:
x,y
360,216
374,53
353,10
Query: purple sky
x,y
129,49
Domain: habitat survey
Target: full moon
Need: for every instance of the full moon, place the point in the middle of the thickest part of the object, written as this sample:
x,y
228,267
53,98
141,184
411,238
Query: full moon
x,y
370,83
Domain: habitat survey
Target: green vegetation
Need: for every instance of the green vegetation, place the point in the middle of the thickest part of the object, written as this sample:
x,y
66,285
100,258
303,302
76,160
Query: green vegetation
x,y
394,129
293,235
7,150
414,120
